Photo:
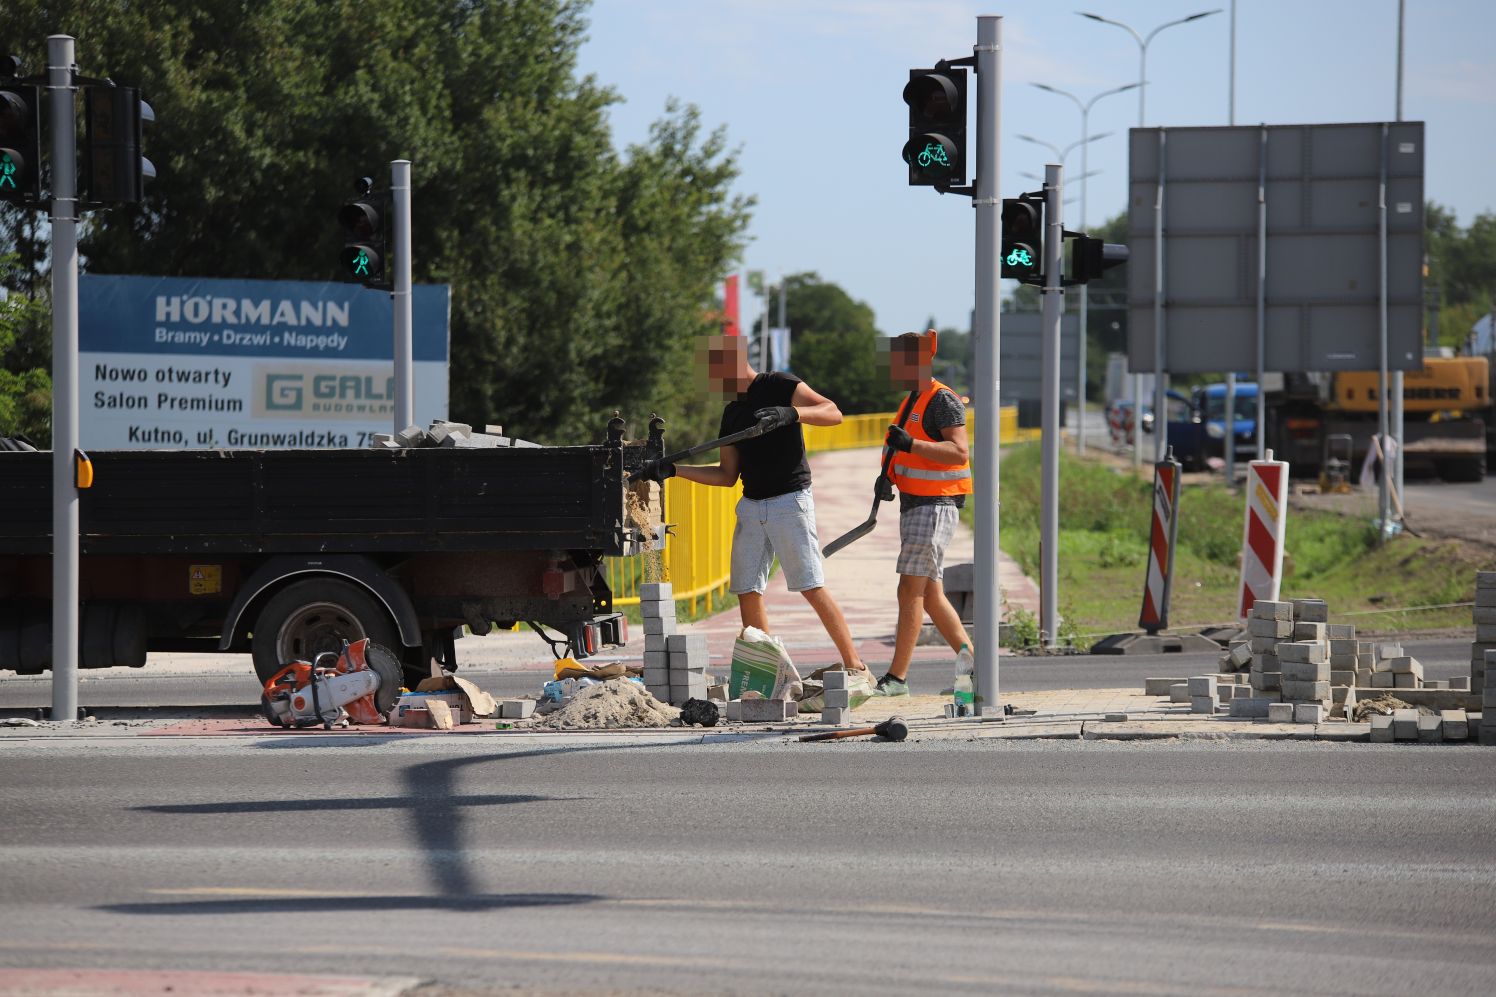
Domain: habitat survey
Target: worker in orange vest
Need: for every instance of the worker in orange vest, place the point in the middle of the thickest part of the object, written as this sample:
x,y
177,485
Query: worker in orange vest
x,y
932,471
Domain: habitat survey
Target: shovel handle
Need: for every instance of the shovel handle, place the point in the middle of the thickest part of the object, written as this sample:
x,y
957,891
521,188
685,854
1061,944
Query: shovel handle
x,y
832,735
743,434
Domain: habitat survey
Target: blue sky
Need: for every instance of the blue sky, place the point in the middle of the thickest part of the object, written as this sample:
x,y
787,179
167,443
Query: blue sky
x,y
809,90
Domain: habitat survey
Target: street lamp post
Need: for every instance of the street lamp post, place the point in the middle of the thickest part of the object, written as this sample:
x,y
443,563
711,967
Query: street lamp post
x,y
1085,172
1160,389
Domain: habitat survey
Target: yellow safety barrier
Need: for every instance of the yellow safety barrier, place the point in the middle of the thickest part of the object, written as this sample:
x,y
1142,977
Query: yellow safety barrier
x,y
696,559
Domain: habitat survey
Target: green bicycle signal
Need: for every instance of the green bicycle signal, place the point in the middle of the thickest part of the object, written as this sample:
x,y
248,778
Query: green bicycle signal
x,y
934,152
1019,256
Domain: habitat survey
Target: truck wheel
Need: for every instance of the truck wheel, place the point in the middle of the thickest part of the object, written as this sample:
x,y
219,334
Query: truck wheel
x,y
10,639
306,618
1463,469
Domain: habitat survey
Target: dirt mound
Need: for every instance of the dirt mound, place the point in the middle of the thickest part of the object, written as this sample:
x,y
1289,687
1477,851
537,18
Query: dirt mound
x,y
610,705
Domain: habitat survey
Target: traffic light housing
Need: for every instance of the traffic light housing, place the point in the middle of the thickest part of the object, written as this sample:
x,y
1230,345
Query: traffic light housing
x,y
114,171
1022,256
363,221
20,143
1090,258
936,150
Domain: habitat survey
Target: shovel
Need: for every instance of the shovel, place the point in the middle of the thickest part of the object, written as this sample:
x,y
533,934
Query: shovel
x,y
864,528
757,429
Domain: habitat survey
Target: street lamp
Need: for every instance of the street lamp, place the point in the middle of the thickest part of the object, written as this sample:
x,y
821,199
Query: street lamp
x,y
1085,129
1061,154
1143,41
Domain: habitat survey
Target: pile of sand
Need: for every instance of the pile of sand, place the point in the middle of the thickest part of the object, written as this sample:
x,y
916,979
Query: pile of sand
x,y
610,705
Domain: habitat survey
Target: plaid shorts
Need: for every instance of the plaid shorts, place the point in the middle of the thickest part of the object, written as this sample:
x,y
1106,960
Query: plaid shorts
x,y
924,533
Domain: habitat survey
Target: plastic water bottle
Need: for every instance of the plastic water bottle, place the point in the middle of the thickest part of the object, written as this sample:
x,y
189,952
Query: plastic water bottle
x,y
965,687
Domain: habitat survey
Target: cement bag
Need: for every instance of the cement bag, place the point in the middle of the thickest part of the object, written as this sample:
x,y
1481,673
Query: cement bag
x,y
860,688
762,668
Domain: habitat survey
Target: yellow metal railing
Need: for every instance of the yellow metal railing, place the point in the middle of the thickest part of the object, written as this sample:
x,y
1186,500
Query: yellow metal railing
x,y
697,554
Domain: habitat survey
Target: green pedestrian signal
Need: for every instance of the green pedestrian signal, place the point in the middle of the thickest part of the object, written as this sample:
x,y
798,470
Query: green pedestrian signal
x,y
364,238
20,139
8,171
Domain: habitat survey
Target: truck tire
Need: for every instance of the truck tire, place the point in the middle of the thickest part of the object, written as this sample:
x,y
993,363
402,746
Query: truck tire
x,y
1463,468
10,639
96,643
36,643
306,618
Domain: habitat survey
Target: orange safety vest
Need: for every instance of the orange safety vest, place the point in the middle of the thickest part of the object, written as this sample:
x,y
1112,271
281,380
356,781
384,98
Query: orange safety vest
x,y
917,475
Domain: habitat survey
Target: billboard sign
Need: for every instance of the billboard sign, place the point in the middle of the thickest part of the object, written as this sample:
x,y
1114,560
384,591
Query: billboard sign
x,y
185,362
1022,356
1316,191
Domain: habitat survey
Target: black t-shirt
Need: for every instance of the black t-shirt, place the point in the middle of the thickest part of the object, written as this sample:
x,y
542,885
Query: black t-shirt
x,y
944,411
772,464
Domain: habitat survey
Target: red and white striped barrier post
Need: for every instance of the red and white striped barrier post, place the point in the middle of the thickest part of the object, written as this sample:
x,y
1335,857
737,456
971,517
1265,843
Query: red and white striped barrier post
x,y
1262,536
1160,578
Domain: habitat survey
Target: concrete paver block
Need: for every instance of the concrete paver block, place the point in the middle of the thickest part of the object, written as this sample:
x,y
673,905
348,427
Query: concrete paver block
x,y
836,716
1404,663
1404,680
1309,631
658,610
1381,729
1280,713
1263,645
655,659
655,591
1159,686
1340,631
1202,704
654,642
1278,629
1436,683
1308,713
1179,692
1385,651
838,698
1306,671
1240,652
656,676
1405,725
1340,645
835,678
1312,651
1456,725
1252,708
1311,611
657,626
1306,692
1266,680
1430,728
1264,610
1202,685
693,644
1339,678
1381,680
1343,662
761,711
1484,614
516,709
1460,682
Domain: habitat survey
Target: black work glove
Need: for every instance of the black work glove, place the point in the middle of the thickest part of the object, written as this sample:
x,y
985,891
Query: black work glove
x,y
883,488
656,470
899,440
777,417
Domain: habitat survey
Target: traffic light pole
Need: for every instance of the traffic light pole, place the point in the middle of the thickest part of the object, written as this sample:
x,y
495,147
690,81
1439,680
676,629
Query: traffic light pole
x,y
60,90
404,383
987,333
1054,306
1160,335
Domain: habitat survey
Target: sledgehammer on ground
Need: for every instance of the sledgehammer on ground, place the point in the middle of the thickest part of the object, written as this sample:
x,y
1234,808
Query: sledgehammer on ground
x,y
892,729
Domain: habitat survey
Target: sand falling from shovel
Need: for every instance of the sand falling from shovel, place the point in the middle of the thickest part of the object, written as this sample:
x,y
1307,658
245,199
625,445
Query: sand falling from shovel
x,y
638,512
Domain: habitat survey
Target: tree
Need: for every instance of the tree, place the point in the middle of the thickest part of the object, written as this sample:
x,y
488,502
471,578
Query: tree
x,y
1461,272
578,275
834,345
25,387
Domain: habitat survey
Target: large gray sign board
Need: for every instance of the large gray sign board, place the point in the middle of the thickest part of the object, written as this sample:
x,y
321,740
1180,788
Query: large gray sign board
x,y
1022,357
1321,189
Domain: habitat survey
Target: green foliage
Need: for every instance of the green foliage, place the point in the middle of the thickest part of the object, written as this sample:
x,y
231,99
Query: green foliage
x,y
1462,266
25,387
580,278
1023,629
835,346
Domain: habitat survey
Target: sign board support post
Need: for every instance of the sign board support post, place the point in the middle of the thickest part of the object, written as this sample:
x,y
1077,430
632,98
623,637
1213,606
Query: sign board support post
x,y
1383,510
1229,427
401,296
1053,305
1160,340
1262,294
988,387
60,90
1397,375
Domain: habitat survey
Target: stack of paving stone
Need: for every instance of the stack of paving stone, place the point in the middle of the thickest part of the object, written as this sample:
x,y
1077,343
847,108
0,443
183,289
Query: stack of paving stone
x,y
836,707
1425,726
1290,669
674,664
1485,629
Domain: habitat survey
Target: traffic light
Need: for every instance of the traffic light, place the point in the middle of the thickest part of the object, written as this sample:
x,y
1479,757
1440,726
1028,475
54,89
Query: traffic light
x,y
20,138
363,224
936,150
114,171
1023,238
1090,258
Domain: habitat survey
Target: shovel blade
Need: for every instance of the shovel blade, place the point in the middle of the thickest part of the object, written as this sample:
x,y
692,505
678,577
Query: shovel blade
x,y
856,533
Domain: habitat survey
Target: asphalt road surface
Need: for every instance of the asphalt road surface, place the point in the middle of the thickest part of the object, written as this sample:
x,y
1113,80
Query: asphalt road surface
x,y
575,866
142,688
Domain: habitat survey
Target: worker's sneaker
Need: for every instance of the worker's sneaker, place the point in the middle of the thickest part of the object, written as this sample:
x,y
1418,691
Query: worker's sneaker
x,y
890,686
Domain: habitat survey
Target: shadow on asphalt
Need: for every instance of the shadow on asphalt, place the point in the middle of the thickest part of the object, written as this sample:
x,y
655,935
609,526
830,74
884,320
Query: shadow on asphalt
x,y
437,817
334,905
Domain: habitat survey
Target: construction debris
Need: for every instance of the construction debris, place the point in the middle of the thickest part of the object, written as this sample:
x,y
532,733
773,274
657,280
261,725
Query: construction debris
x,y
612,705
445,434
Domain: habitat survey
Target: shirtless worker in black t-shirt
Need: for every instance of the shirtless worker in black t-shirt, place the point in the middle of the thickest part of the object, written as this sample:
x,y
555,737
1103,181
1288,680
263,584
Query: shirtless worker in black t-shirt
x,y
776,515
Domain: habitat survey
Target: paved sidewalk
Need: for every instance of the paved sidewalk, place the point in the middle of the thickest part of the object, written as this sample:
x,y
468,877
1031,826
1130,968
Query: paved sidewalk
x,y
861,577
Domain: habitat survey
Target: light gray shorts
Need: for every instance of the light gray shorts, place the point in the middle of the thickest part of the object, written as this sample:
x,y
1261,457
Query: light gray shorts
x,y
782,526
924,533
